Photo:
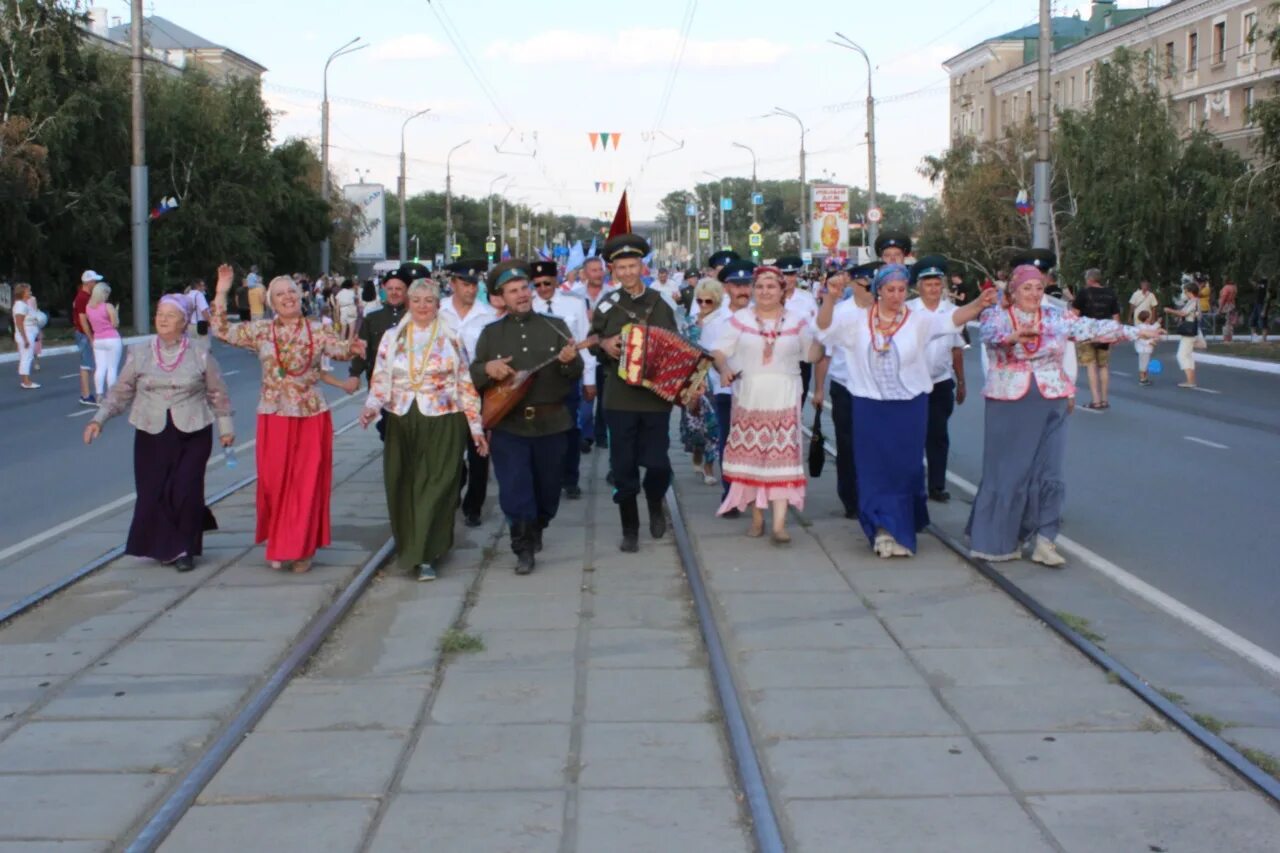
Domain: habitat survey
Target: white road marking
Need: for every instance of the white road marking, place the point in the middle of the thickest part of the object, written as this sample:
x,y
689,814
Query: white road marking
x,y
1120,373
1215,631
70,375
82,413
1206,442
1205,390
230,372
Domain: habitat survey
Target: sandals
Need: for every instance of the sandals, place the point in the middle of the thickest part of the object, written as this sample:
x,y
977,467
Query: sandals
x,y
780,537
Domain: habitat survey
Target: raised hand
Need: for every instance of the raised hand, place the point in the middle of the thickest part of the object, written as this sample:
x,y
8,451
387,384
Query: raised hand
x,y
226,275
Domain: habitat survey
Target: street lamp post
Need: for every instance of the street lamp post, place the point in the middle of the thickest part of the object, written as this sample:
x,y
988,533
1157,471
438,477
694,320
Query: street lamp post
x,y
324,143
848,44
723,239
1042,210
404,227
139,227
490,233
804,194
448,200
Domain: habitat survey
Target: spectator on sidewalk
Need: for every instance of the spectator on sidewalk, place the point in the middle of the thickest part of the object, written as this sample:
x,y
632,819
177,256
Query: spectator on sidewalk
x,y
255,294
175,392
83,335
198,311
945,355
1144,347
1096,302
421,386
1143,299
699,432
1188,331
26,333
107,345
1227,309
295,430
1260,319
1020,496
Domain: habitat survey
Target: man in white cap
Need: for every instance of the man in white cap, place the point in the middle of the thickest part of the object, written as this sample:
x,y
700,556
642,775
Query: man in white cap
x,y
84,335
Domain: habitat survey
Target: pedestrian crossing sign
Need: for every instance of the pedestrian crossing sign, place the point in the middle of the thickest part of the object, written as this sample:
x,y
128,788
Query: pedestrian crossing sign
x,y
457,250
755,240
704,233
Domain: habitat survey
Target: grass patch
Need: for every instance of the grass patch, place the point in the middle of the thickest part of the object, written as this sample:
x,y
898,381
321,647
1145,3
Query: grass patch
x,y
1081,626
1113,678
1152,724
1264,761
1212,723
1172,695
456,640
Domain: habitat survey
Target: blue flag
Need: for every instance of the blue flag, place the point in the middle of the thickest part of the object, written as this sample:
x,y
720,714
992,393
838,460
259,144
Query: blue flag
x,y
576,257
591,253
545,251
506,253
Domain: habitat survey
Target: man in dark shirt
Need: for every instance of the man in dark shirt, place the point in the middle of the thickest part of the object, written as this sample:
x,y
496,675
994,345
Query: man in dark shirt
x,y
1097,303
374,326
528,445
638,419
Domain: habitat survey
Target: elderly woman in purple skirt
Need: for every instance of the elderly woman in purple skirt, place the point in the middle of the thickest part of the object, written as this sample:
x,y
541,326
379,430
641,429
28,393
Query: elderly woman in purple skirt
x,y
176,391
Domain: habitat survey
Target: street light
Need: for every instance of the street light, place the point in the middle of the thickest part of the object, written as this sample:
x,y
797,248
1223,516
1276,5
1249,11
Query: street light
x,y
490,234
448,200
804,195
723,241
324,141
502,217
755,219
849,44
404,228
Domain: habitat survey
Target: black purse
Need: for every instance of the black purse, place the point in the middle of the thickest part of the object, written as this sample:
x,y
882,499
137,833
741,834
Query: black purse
x,y
817,449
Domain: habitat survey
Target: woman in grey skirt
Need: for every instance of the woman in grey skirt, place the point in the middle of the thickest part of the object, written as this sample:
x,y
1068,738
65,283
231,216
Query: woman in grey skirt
x,y
1021,495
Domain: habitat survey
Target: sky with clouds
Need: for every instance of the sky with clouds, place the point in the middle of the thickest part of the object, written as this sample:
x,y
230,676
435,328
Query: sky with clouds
x,y
523,83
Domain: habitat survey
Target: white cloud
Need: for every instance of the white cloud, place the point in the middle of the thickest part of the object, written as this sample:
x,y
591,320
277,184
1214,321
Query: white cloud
x,y
635,48
409,46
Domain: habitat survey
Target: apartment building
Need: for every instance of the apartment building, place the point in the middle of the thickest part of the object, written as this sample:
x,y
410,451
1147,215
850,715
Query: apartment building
x,y
172,46
1210,57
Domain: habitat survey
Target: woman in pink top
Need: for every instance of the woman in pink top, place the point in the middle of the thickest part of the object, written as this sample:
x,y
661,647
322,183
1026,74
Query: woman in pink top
x,y
107,346
1021,494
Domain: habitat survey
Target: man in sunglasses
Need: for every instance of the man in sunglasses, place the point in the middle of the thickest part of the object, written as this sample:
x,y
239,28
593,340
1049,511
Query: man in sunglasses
x,y
550,300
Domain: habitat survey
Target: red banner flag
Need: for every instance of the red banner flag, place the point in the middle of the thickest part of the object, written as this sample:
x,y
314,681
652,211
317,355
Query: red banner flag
x,y
621,219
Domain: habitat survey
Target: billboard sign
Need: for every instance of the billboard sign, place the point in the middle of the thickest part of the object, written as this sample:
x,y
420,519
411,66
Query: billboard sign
x,y
829,218
370,200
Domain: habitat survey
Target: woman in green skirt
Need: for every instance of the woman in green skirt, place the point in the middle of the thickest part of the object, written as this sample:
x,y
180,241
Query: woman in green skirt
x,y
422,385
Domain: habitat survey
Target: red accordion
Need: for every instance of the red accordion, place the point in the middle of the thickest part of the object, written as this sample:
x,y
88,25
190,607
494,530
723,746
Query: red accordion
x,y
664,362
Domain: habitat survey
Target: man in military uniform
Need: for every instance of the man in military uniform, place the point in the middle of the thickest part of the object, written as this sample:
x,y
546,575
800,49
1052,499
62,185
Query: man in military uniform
x,y
638,419
799,303
375,325
737,278
527,447
892,247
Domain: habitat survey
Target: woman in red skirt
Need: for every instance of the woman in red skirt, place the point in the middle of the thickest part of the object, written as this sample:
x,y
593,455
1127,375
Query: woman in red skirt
x,y
295,432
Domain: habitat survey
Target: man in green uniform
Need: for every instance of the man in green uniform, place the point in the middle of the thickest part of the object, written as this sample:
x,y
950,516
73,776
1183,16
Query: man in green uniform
x,y
638,419
527,447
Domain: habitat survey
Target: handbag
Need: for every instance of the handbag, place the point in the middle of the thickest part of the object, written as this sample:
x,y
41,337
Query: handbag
x,y
1190,326
817,449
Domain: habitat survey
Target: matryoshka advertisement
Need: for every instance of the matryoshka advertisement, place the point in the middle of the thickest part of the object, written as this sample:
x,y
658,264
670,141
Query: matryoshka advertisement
x,y
829,220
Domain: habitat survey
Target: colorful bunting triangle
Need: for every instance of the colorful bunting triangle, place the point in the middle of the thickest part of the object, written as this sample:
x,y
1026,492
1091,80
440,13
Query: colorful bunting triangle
x,y
594,138
604,140
616,137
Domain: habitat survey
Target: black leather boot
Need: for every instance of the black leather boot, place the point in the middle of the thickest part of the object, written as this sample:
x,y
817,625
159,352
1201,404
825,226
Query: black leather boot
x,y
657,519
535,530
630,514
523,540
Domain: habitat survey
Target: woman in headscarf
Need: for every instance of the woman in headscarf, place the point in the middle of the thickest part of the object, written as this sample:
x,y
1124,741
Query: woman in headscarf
x,y
295,432
176,392
422,381
886,352
763,460
1027,394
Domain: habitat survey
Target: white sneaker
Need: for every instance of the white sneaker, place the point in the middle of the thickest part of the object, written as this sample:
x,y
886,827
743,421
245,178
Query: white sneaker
x,y
1046,553
884,544
897,549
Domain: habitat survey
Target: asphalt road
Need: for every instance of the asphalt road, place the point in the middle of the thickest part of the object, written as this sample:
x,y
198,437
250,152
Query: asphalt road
x,y
1175,486
50,476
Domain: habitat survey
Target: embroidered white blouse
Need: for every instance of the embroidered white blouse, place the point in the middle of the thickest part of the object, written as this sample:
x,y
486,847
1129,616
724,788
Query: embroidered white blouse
x,y
1012,366
438,380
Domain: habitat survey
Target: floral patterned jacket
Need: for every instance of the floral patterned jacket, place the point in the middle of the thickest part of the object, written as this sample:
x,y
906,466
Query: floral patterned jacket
x,y
1013,365
440,386
290,391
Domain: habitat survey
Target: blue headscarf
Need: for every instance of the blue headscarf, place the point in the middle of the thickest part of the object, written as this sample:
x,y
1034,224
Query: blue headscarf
x,y
888,273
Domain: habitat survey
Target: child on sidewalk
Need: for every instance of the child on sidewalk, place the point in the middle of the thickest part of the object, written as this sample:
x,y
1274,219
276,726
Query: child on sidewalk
x,y
1144,347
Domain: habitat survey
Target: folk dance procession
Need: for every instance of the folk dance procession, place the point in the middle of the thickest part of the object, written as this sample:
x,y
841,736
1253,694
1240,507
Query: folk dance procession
x,y
528,377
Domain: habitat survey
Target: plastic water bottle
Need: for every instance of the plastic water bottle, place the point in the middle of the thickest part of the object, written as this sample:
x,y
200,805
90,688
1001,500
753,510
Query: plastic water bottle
x,y
229,456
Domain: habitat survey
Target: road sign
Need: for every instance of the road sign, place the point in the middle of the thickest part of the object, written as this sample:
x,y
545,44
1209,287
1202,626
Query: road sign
x,y
439,259
755,240
490,247
690,210
457,250
755,227
875,214
807,257
757,198
704,233
726,204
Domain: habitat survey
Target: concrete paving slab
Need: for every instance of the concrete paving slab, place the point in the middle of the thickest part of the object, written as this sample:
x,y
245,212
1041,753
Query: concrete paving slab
x,y
39,806
637,574
1048,707
1235,821
189,624
291,765
122,746
520,650
1267,740
316,827
480,822
61,658
1073,762
310,704
107,626
652,755
53,846
533,612
995,667
802,621
640,611
1189,666
560,579
649,695
784,574
869,712
643,647
303,596
1241,706
917,825
426,618
104,695
489,758
881,767
689,820
209,657
19,693
505,696
972,624
765,668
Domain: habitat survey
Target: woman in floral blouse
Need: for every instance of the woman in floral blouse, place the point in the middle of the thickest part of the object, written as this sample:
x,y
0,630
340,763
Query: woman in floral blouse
x,y
176,392
422,381
295,432
1021,494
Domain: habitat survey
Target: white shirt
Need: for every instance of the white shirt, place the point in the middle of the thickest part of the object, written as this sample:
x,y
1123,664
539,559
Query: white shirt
x,y
909,349
712,328
838,370
580,289
941,367
803,303
573,310
198,305
1140,302
467,328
